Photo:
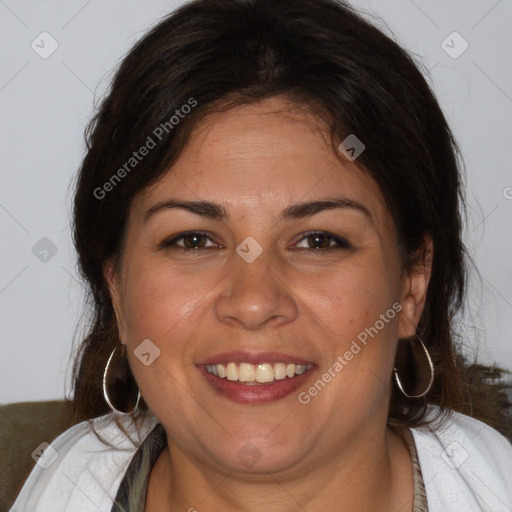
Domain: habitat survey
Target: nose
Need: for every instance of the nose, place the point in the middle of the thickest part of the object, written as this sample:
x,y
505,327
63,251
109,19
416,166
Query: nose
x,y
255,295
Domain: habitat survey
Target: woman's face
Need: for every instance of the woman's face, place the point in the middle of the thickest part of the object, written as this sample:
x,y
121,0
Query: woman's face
x,y
246,289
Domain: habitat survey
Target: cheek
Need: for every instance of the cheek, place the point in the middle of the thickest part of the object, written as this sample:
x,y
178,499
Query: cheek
x,y
355,309
360,322
157,300
350,300
165,307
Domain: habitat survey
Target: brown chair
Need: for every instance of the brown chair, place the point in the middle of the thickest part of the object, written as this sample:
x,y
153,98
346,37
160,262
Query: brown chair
x,y
23,427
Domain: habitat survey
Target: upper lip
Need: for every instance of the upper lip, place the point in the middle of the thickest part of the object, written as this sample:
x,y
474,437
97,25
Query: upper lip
x,y
241,356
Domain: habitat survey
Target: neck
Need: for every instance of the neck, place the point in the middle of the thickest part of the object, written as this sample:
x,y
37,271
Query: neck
x,y
370,474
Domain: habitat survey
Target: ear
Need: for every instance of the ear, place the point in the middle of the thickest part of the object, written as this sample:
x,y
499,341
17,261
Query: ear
x,y
414,290
112,279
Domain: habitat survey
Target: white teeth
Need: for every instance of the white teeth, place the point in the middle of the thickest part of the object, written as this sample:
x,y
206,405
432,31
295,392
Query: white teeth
x,y
221,371
231,371
262,373
279,371
246,372
300,369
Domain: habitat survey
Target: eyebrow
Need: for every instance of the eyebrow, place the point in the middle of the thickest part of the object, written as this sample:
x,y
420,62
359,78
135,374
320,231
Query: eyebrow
x,y
215,211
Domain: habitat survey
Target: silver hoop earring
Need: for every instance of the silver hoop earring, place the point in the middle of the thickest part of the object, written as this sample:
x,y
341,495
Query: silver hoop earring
x,y
120,389
415,366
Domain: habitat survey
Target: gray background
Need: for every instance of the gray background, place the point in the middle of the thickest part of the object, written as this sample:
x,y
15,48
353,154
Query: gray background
x,y
46,102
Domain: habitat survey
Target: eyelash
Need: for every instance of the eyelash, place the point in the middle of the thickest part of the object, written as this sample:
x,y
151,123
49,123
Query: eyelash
x,y
342,243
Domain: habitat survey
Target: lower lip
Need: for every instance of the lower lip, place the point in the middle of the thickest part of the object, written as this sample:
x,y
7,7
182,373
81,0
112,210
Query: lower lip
x,y
257,393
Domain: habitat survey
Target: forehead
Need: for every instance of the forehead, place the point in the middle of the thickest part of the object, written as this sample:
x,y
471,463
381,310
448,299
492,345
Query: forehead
x,y
263,155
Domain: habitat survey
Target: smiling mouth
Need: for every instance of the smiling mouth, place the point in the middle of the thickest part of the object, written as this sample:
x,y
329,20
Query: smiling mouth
x,y
256,374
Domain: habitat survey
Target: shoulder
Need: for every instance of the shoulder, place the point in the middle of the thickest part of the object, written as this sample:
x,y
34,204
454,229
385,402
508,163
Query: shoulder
x,y
83,466
466,465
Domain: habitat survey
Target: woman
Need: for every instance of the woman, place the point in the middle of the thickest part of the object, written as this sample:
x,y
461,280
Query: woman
x,y
268,217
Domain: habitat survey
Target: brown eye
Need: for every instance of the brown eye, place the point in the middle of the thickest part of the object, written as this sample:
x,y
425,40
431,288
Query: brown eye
x,y
190,240
320,241
194,241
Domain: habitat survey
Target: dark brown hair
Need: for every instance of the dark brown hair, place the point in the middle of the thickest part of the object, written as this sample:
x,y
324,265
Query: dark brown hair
x,y
321,54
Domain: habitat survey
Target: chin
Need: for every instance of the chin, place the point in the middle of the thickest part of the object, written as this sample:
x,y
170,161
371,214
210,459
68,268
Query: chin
x,y
259,457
